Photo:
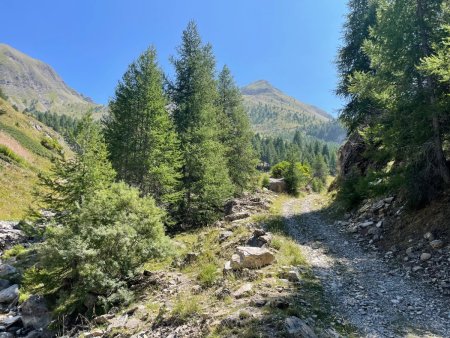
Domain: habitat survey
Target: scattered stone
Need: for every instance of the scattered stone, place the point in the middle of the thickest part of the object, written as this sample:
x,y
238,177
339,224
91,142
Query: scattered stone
x,y
237,216
425,256
409,252
416,268
244,291
298,328
94,333
222,293
224,235
227,268
437,244
103,319
10,294
293,276
379,224
260,302
251,257
428,236
365,224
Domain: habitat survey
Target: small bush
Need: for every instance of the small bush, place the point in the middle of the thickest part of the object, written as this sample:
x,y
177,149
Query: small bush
x,y
317,185
208,275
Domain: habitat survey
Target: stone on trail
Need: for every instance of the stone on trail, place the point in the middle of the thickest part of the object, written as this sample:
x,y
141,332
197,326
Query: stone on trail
x,y
437,244
251,257
425,256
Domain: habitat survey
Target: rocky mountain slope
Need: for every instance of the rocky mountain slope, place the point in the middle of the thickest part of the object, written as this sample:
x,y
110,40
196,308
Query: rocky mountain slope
x,y
26,149
274,113
32,84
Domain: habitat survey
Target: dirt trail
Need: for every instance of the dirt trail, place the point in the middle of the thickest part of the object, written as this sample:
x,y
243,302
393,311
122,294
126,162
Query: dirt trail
x,y
374,297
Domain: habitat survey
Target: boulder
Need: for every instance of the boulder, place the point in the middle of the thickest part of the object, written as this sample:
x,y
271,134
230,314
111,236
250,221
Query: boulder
x,y
94,333
251,257
277,185
298,328
4,284
260,240
35,313
10,321
10,294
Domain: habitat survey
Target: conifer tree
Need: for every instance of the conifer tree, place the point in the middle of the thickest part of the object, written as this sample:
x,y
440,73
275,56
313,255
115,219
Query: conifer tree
x,y
352,58
75,180
205,175
237,134
141,138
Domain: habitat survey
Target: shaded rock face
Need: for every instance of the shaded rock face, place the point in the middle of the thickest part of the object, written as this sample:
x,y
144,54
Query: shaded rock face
x,y
35,313
298,328
351,157
9,295
277,185
251,258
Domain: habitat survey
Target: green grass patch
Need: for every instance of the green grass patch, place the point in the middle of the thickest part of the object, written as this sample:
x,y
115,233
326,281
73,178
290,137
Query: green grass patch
x,y
10,156
185,307
208,275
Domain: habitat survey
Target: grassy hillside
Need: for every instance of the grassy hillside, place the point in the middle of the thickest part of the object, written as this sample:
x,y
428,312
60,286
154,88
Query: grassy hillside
x,y
33,85
273,113
26,149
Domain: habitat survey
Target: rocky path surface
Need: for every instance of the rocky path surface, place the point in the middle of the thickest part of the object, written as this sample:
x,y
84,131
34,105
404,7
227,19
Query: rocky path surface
x,y
362,289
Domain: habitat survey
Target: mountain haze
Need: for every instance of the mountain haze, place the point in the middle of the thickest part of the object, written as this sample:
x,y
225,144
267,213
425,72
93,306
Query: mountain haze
x,y
34,85
274,113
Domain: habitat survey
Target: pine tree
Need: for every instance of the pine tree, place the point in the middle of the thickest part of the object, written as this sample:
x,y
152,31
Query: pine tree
x,y
141,138
237,134
205,175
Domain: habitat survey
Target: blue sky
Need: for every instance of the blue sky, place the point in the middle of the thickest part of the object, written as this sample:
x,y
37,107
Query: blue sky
x,y
290,43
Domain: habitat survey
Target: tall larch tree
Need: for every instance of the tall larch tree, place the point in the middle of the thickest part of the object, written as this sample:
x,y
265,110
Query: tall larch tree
x,y
237,133
413,118
194,92
140,133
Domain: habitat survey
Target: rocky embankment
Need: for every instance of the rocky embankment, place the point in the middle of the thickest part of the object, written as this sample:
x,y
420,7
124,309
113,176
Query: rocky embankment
x,y
427,258
31,317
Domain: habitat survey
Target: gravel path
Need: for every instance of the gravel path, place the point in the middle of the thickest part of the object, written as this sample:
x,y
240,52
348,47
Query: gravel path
x,y
361,287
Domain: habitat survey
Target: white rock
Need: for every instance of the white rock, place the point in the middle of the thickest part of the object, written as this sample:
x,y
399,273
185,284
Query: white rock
x,y
244,291
251,257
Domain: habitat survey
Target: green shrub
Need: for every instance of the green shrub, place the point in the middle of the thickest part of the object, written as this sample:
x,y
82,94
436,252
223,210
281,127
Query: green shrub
x,y
208,274
51,144
15,251
265,181
279,169
97,249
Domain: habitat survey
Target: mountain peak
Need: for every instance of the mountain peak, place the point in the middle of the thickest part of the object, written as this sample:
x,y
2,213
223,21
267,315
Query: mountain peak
x,y
34,85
